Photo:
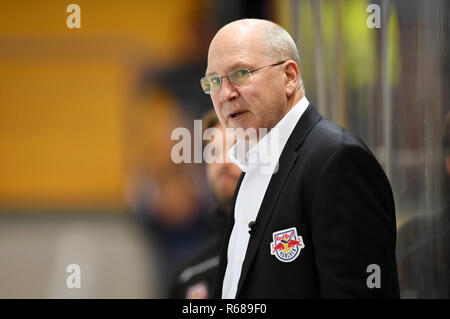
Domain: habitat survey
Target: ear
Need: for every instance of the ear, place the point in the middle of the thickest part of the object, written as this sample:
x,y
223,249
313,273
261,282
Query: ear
x,y
292,76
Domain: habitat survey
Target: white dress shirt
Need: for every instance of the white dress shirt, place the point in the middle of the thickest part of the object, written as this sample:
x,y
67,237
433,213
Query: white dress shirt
x,y
260,162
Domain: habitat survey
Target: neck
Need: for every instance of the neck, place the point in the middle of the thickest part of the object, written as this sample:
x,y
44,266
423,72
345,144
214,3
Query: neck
x,y
294,99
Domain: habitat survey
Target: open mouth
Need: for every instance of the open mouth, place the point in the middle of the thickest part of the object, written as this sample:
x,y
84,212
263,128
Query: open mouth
x,y
237,114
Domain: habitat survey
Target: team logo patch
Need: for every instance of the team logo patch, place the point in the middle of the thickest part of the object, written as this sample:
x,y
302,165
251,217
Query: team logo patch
x,y
286,245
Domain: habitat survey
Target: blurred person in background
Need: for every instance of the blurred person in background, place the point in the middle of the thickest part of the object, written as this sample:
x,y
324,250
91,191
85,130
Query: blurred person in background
x,y
326,194
195,278
169,200
177,222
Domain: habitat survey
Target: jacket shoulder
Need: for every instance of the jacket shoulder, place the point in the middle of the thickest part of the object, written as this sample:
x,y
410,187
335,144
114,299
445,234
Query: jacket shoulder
x,y
327,138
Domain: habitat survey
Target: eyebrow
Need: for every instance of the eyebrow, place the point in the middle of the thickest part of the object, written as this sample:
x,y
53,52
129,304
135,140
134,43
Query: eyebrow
x,y
234,66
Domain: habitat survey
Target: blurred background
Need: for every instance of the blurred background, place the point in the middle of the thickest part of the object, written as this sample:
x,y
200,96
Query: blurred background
x,y
86,116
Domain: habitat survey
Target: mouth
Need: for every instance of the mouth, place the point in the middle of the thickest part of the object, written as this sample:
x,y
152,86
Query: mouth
x,y
237,114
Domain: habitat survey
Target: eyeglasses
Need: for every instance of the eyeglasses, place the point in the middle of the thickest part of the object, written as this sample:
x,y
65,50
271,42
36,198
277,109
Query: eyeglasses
x,y
212,84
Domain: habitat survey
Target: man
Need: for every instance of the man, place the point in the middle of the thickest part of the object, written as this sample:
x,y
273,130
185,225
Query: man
x,y
196,276
322,225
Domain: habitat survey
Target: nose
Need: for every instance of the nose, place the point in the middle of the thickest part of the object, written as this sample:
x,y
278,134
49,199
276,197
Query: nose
x,y
227,91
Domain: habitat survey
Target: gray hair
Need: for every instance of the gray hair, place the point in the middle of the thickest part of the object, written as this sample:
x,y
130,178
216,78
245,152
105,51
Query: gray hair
x,y
280,46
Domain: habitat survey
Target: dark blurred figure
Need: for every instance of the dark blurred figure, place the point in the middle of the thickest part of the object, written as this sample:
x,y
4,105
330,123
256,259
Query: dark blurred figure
x,y
196,276
423,251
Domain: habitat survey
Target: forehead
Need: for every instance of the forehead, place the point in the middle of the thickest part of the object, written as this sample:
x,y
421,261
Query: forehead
x,y
234,48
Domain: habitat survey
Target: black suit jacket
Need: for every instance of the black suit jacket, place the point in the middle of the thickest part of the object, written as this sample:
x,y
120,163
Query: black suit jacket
x,y
332,189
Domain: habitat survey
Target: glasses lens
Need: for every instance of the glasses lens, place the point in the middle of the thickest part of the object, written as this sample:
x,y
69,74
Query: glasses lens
x,y
239,76
215,83
205,85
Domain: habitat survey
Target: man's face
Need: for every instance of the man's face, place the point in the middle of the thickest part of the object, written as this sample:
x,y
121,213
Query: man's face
x,y
261,102
223,175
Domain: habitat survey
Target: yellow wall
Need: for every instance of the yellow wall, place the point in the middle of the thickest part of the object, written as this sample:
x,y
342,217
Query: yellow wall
x,y
63,94
158,25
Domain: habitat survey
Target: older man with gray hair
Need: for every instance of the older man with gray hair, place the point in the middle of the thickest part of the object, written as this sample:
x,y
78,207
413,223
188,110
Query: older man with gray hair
x,y
322,223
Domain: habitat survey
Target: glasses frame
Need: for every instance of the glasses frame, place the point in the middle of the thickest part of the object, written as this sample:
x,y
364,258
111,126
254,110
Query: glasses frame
x,y
229,75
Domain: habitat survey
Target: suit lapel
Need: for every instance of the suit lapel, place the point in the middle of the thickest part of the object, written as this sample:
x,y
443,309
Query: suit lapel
x,y
286,162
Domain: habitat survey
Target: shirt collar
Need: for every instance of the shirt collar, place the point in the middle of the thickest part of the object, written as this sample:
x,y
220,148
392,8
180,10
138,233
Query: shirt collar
x,y
266,153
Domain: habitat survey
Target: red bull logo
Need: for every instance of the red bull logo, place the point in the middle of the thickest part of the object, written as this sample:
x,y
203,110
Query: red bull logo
x,y
286,245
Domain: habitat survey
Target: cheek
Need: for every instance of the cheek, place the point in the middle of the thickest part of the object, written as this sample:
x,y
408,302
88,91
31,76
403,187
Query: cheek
x,y
218,108
214,100
274,107
265,109
216,103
